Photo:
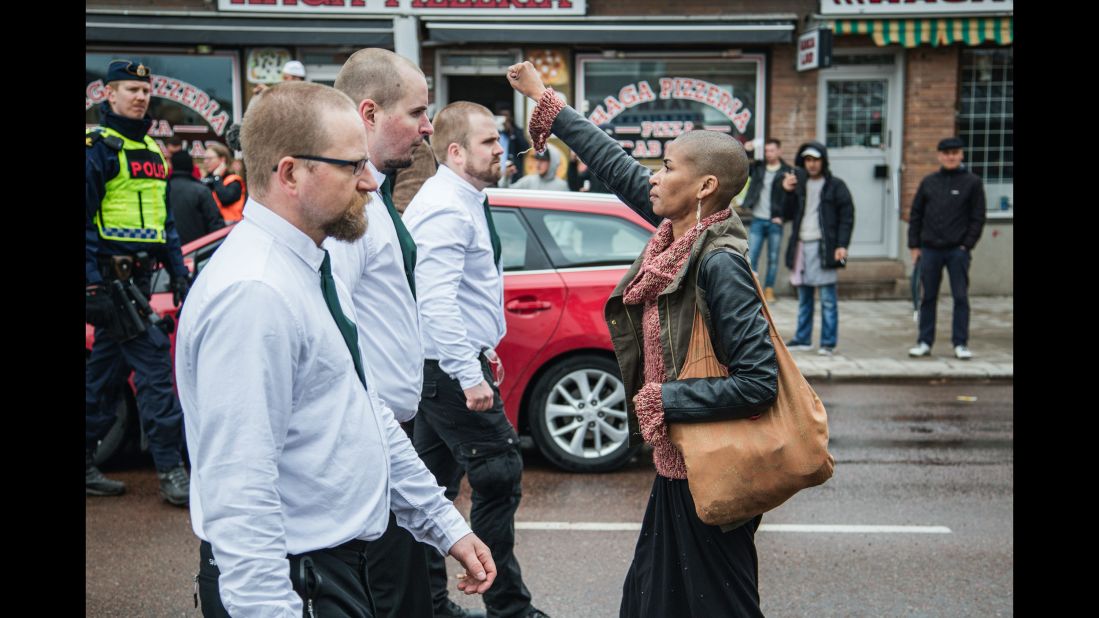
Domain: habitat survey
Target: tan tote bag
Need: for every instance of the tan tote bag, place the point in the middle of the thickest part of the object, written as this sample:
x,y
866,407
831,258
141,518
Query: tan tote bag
x,y
737,469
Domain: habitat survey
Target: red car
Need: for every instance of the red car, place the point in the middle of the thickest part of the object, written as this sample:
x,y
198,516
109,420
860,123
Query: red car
x,y
563,253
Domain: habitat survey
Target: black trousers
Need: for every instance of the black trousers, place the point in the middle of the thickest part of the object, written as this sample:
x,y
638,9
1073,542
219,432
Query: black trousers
x,y
161,416
453,440
956,261
331,582
398,572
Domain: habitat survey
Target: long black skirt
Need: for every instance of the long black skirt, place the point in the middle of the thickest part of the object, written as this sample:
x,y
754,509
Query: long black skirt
x,y
683,567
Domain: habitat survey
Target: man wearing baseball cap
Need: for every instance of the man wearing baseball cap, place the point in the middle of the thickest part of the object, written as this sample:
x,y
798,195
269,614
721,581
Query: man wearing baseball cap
x,y
947,217
823,213
293,71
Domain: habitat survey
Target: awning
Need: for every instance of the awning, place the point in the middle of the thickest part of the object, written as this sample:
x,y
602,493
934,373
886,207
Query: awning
x,y
933,32
620,32
235,31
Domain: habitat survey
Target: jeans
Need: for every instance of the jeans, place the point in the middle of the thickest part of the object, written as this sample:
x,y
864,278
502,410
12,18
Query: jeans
x,y
760,231
829,316
956,261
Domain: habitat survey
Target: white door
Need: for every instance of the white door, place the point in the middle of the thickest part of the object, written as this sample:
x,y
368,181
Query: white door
x,y
859,118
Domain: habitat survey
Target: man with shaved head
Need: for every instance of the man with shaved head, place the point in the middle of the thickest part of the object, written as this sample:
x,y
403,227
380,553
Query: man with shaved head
x,y
390,95
297,460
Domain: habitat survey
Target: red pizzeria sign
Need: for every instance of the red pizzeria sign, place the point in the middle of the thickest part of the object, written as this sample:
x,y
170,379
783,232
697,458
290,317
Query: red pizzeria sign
x,y
672,88
175,90
410,7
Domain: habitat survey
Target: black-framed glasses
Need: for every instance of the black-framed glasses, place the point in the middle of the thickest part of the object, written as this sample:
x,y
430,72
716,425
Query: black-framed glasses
x,y
358,166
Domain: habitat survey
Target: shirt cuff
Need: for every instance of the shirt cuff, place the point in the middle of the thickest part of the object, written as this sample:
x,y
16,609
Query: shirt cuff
x,y
470,375
447,531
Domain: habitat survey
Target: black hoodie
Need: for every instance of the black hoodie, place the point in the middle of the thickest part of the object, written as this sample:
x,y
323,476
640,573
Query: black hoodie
x,y
836,212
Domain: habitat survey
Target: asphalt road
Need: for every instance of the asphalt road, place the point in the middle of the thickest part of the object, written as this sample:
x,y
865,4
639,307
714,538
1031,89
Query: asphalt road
x,y
935,461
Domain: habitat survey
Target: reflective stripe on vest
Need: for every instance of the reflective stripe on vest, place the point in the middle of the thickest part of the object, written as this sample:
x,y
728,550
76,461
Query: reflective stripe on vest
x,y
133,207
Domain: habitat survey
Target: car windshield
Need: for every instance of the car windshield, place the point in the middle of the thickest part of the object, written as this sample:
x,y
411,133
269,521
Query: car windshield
x,y
585,239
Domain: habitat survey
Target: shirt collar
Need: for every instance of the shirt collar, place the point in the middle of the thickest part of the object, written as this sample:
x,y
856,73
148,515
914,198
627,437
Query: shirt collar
x,y
466,190
378,176
284,232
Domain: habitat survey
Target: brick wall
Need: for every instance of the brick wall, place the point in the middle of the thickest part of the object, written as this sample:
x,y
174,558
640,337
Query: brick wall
x,y
792,102
931,93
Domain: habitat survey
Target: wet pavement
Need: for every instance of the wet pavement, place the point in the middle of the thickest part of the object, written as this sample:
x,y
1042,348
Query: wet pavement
x,y
874,337
935,454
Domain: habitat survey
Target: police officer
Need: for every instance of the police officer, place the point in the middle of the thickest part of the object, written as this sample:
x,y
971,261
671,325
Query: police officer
x,y
128,228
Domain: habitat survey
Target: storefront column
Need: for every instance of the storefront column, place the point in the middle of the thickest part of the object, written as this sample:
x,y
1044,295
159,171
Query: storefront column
x,y
406,37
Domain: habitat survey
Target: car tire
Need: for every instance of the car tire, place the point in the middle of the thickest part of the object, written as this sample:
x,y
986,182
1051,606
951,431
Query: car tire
x,y
581,394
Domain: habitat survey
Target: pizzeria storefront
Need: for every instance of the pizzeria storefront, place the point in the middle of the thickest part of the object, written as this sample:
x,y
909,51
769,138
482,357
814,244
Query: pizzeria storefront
x,y
206,63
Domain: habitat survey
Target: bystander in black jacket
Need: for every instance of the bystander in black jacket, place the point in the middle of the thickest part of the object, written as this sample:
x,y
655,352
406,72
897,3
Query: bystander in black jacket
x,y
191,203
576,178
517,145
757,169
948,211
836,212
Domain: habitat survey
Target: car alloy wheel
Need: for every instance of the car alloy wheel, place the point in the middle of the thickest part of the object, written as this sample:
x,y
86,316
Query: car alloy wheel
x,y
579,418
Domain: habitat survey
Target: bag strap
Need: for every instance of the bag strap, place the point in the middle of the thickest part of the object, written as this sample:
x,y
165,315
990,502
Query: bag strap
x,y
698,316
766,310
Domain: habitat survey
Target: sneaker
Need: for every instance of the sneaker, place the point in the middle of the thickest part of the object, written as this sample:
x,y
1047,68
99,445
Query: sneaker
x,y
962,352
95,484
537,613
921,349
826,352
769,294
453,610
794,346
175,486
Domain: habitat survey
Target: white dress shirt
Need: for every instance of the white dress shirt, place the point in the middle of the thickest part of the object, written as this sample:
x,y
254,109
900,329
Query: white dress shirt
x,y
460,287
289,454
388,319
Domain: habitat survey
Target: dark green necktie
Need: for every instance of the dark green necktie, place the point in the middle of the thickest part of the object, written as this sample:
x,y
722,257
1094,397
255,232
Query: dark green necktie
x,y
408,246
347,328
496,248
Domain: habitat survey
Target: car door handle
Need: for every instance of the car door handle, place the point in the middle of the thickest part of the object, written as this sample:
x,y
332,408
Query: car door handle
x,y
527,306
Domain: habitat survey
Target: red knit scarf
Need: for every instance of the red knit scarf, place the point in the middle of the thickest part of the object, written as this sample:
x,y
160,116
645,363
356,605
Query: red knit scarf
x,y
663,259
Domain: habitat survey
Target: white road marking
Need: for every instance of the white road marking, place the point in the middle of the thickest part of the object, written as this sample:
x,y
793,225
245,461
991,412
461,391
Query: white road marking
x,y
814,528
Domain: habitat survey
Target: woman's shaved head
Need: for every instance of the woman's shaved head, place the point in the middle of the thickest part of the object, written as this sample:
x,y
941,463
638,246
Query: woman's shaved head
x,y
717,154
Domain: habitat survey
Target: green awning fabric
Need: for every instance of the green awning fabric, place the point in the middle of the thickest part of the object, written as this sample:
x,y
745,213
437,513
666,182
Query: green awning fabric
x,y
933,32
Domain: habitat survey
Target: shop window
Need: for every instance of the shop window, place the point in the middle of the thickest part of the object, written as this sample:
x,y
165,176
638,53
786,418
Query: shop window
x,y
986,121
646,102
192,96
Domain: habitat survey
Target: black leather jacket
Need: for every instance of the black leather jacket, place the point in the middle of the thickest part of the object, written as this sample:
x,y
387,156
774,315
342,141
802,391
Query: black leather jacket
x,y
717,280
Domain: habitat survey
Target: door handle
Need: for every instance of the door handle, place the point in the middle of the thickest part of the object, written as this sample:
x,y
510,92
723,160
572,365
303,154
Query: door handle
x,y
527,306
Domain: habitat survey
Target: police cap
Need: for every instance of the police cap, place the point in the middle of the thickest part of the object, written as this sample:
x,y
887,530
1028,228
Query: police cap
x,y
951,143
122,70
